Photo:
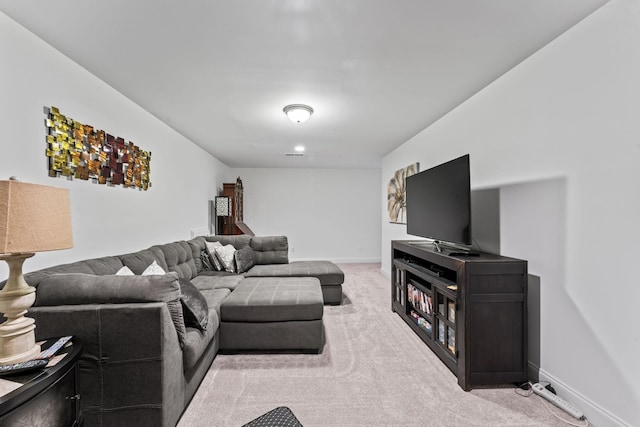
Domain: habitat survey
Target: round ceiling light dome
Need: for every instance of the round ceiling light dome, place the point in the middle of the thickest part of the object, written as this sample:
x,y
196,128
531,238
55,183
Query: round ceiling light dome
x,y
298,113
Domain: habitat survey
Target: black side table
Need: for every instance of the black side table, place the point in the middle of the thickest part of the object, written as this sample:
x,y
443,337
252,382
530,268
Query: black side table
x,y
47,396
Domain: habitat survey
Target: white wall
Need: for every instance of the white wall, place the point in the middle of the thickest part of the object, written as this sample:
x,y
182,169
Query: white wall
x,y
325,213
559,136
106,220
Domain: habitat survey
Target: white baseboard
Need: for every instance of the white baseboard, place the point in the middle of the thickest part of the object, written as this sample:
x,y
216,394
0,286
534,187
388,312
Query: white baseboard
x,y
356,261
597,415
341,260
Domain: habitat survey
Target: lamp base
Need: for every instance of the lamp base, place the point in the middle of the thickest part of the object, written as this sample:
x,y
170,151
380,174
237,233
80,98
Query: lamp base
x,y
17,337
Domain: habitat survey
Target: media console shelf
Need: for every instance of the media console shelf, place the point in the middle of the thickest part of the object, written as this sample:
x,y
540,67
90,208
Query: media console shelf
x,y
470,310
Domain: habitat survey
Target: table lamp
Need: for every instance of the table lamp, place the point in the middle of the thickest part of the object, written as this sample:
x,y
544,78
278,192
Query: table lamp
x,y
33,218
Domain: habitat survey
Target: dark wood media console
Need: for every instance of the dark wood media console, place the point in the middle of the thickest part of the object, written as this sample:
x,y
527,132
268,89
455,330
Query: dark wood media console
x,y
470,310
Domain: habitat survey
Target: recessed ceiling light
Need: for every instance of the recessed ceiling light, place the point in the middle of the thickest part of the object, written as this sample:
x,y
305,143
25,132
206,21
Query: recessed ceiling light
x,y
298,113
299,148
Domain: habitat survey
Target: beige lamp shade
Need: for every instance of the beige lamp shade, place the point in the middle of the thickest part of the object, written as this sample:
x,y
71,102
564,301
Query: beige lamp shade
x,y
33,218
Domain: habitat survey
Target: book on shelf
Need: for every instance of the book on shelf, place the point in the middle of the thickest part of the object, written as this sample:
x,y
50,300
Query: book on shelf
x,y
419,299
421,321
424,324
451,340
441,332
451,306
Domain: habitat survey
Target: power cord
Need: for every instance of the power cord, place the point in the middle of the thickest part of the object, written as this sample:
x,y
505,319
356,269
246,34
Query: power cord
x,y
526,390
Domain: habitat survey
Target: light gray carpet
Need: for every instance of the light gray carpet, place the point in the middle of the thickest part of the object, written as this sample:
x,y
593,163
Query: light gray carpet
x,y
374,371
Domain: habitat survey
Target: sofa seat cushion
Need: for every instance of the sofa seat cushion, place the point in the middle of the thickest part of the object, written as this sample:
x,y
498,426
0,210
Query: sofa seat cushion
x,y
214,298
274,299
217,280
196,341
327,272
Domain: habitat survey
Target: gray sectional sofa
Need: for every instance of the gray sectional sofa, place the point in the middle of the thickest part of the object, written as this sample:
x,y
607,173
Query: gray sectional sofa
x,y
142,359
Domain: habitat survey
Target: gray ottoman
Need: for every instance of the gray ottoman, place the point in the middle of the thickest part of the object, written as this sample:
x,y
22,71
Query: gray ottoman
x,y
330,275
273,313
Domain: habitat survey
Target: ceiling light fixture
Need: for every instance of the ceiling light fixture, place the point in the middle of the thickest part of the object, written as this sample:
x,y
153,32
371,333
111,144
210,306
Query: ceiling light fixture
x,y
299,148
298,113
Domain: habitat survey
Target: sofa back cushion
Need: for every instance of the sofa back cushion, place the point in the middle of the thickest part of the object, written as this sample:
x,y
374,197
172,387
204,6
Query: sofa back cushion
x,y
82,288
270,249
104,265
139,261
179,258
238,241
198,246
197,252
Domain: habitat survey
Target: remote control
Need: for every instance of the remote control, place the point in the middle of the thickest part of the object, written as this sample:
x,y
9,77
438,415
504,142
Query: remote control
x,y
20,367
54,349
540,390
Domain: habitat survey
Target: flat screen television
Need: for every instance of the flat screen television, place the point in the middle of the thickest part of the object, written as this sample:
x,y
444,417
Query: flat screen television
x,y
439,203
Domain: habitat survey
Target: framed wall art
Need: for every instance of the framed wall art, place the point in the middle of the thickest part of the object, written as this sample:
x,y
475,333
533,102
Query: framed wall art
x,y
76,150
396,194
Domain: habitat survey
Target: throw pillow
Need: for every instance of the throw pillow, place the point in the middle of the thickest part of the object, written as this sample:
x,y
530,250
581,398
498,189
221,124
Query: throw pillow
x,y
211,248
225,255
125,271
205,260
153,269
194,307
245,259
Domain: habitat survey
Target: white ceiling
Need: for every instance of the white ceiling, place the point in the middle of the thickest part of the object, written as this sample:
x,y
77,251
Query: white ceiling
x,y
376,72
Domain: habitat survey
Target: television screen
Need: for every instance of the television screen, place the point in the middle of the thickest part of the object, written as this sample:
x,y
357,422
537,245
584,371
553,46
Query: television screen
x,y
439,202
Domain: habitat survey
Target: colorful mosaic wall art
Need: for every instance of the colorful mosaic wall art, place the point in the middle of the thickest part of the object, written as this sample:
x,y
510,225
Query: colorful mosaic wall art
x,y
76,150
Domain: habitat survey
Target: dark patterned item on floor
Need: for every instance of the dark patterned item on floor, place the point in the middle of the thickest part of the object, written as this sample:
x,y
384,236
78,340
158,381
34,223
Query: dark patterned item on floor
x,y
279,417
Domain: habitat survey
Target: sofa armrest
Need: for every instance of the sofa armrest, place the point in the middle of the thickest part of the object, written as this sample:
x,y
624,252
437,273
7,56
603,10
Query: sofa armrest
x,y
78,289
130,370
